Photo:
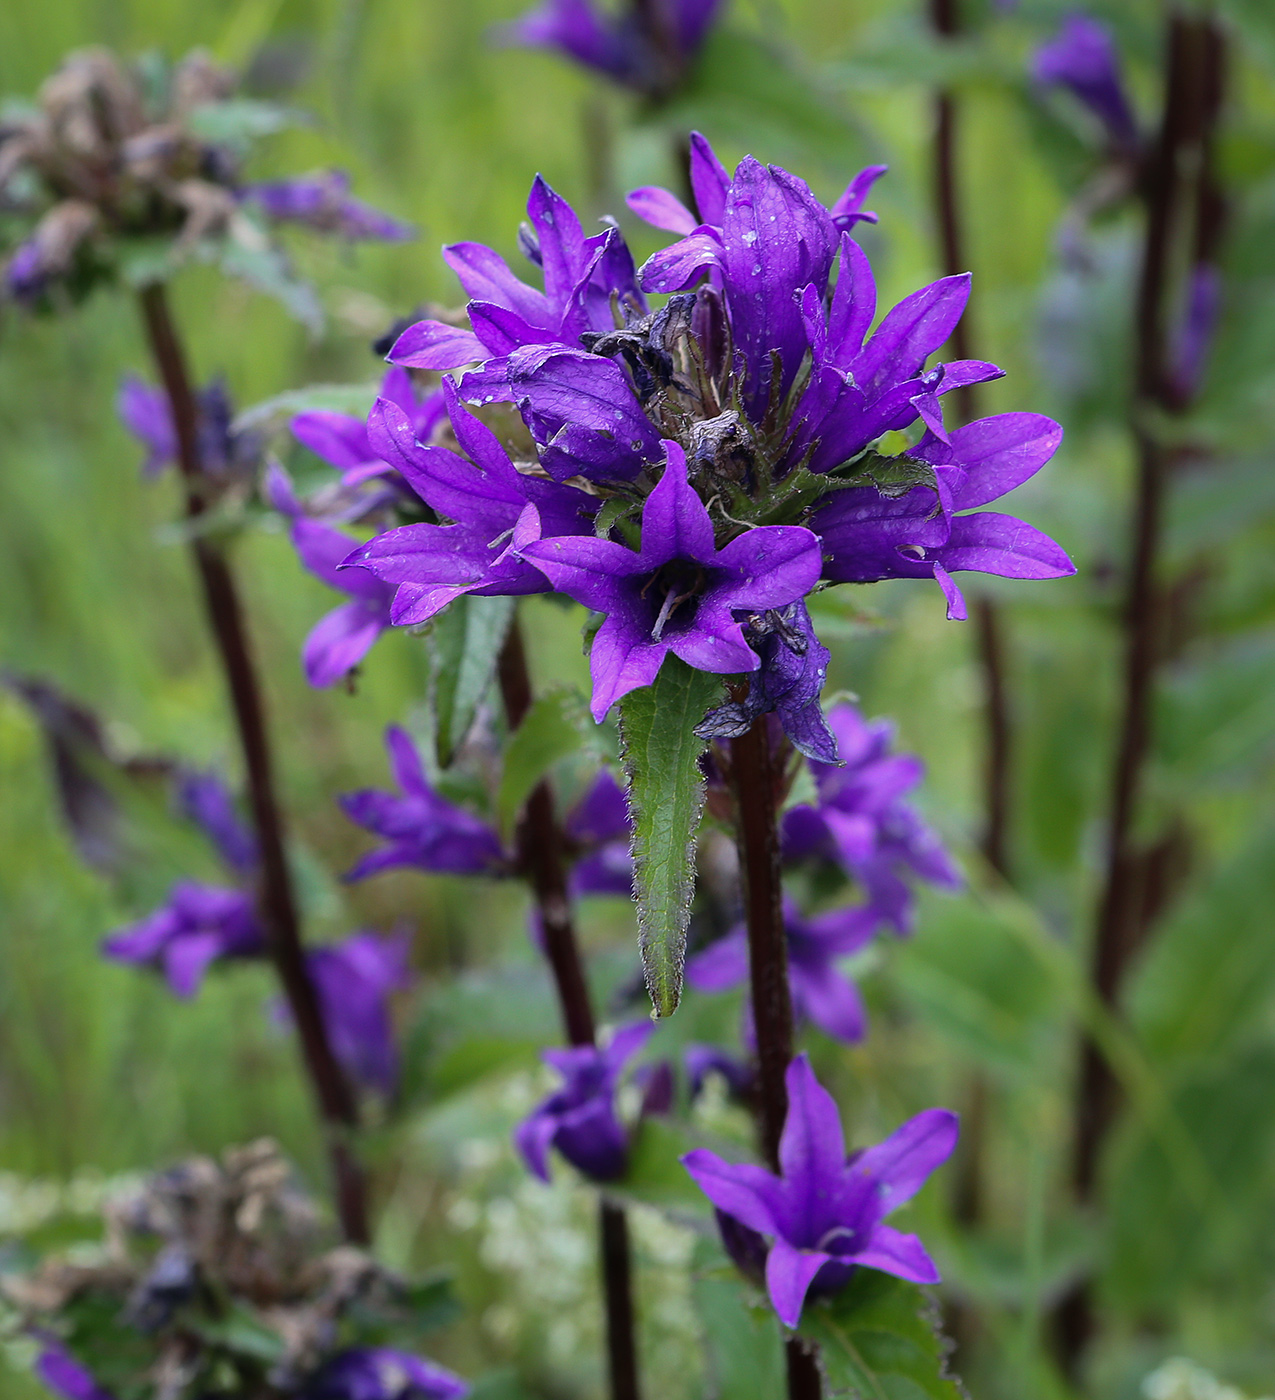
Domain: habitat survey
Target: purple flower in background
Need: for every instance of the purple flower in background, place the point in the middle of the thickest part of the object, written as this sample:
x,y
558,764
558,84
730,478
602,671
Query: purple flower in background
x,y
339,641
647,48
205,799
323,201
422,830
382,1373
598,831
341,439
703,1060
424,567
144,410
26,276
862,823
820,992
1083,58
65,1377
678,592
869,535
788,683
197,925
353,981
1194,335
824,1213
580,1118
581,276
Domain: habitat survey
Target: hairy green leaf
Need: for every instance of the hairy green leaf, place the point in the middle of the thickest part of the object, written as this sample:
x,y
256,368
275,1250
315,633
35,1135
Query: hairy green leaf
x,y
743,1346
879,1340
464,644
553,728
666,798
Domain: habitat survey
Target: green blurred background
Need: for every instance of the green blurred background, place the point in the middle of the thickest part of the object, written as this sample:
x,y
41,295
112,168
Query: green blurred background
x,y
103,1072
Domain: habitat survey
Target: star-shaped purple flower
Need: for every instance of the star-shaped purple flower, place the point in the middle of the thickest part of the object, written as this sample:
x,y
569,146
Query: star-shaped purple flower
x,y
581,276
422,829
862,823
824,1213
869,535
340,640
580,1118
486,497
197,925
820,991
323,201
1083,58
353,981
679,592
647,49
382,1373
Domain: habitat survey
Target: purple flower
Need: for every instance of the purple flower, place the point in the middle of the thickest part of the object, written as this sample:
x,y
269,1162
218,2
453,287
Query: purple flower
x,y
1194,334
205,799
424,567
679,592
144,410
820,992
382,1373
824,1212
353,981
65,1377
862,823
869,535
580,1118
422,830
788,683
26,275
703,1060
647,48
581,276
341,439
598,831
197,925
323,201
1083,57
342,638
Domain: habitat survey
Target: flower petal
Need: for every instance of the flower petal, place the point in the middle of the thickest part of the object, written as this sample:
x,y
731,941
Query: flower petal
x,y
906,1158
895,1253
746,1192
789,1274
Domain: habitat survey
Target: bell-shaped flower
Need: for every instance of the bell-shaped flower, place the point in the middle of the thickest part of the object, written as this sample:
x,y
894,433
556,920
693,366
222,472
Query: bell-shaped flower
x,y
206,800
678,593
322,201
353,981
382,1373
581,276
422,830
197,925
144,410
868,534
340,640
820,991
598,832
580,1118
57,1369
824,1213
862,823
1083,59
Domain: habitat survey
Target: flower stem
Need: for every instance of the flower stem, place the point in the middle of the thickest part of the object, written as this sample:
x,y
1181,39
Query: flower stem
x,y
1181,202
540,849
338,1107
754,775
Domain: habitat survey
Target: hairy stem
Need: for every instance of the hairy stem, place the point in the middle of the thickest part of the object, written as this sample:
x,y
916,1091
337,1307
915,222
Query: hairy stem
x,y
276,900
1182,210
540,850
754,775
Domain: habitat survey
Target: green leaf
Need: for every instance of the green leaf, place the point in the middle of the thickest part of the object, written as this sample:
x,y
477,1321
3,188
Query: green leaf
x,y
655,1174
552,729
266,267
878,1340
273,412
666,798
238,1331
743,1345
464,645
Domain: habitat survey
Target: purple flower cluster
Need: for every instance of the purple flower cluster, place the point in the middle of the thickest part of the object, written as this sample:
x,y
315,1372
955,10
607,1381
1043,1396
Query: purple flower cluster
x,y
824,1213
733,435
862,826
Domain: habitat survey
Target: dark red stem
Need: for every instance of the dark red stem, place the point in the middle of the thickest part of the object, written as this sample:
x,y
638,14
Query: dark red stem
x,y
543,866
1182,210
337,1104
756,782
